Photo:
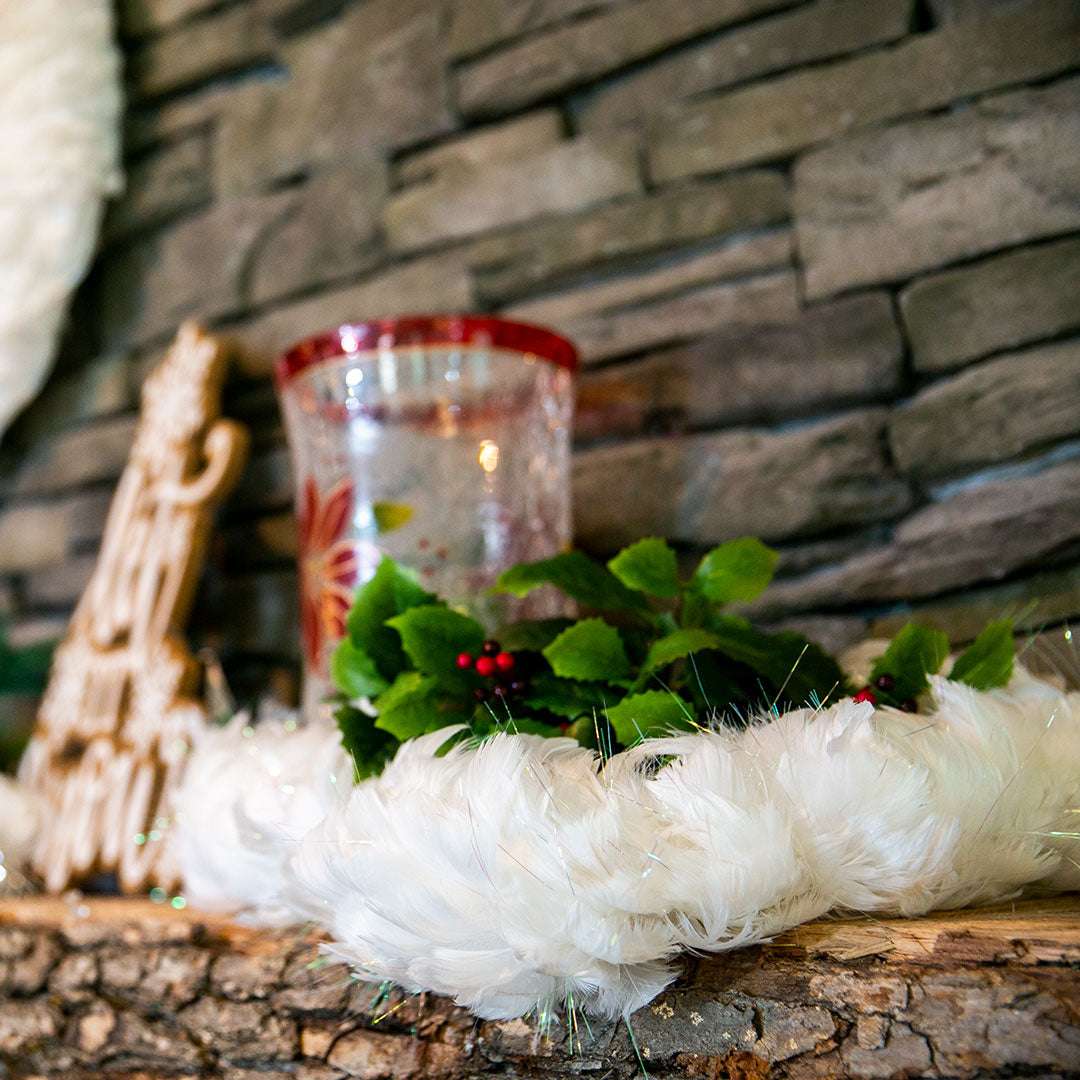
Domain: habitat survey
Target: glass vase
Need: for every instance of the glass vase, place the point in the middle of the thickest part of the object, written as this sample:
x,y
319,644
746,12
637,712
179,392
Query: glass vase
x,y
443,442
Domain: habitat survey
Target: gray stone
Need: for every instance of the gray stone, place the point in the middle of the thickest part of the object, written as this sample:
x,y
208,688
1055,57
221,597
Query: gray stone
x,y
195,269
240,1031
774,119
172,976
710,488
523,259
23,1024
1001,172
1007,300
1033,602
151,1041
637,327
33,536
476,25
576,53
667,1025
60,584
240,977
29,973
328,233
312,991
371,1056
979,535
173,179
141,17
566,177
991,412
837,353
663,275
372,80
522,136
815,31
199,50
904,1053
787,1031
75,457
432,284
74,979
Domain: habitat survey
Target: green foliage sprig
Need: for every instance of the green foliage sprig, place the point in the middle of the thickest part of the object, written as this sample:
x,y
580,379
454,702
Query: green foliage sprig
x,y
652,654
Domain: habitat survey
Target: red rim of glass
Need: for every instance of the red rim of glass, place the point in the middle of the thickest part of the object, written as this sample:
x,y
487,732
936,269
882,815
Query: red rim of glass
x,y
426,330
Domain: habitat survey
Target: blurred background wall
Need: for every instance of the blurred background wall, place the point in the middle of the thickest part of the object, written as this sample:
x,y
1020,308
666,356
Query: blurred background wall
x,y
822,259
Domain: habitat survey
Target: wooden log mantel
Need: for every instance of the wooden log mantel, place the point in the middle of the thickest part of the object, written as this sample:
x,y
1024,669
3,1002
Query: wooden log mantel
x,y
127,988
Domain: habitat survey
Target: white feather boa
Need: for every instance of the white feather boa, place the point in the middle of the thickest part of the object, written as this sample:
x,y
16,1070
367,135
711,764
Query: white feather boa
x,y
522,874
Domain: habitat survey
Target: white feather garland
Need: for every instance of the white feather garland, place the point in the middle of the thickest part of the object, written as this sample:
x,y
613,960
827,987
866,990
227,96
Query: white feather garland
x,y
521,874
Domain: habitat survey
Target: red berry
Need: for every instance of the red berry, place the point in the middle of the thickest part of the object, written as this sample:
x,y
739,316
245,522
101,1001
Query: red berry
x,y
464,661
865,694
490,647
485,666
504,661
885,683
909,705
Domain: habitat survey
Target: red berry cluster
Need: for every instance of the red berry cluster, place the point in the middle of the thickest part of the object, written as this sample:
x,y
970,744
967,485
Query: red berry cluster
x,y
886,684
493,663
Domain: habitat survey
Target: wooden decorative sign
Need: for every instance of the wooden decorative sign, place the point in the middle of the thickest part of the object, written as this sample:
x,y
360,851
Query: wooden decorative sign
x,y
118,715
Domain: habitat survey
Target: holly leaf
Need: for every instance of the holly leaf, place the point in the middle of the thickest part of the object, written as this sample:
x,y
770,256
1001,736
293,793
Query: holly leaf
x,y
675,646
532,635
369,747
646,715
390,515
566,697
988,661
737,570
798,670
409,707
434,636
650,566
914,654
576,575
391,591
525,726
354,672
590,649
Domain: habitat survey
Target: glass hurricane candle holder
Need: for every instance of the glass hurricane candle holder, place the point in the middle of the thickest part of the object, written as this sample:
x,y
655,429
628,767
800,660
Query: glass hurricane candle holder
x,y
443,442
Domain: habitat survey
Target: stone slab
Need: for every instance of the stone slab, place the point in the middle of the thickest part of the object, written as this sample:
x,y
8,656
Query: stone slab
x,y
838,353
546,64
33,536
477,25
374,80
522,136
975,537
199,50
524,259
960,315
139,18
991,412
439,283
75,457
569,176
1005,171
775,119
195,269
808,33
742,482
329,232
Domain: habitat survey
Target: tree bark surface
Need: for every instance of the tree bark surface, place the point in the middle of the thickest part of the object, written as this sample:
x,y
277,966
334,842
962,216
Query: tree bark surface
x,y
125,988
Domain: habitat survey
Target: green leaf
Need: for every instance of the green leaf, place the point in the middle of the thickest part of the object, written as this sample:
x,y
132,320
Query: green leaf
x,y
409,707
354,672
988,661
677,645
590,649
797,670
649,565
737,570
369,747
532,635
434,636
576,575
525,726
390,515
391,591
643,716
912,655
566,697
